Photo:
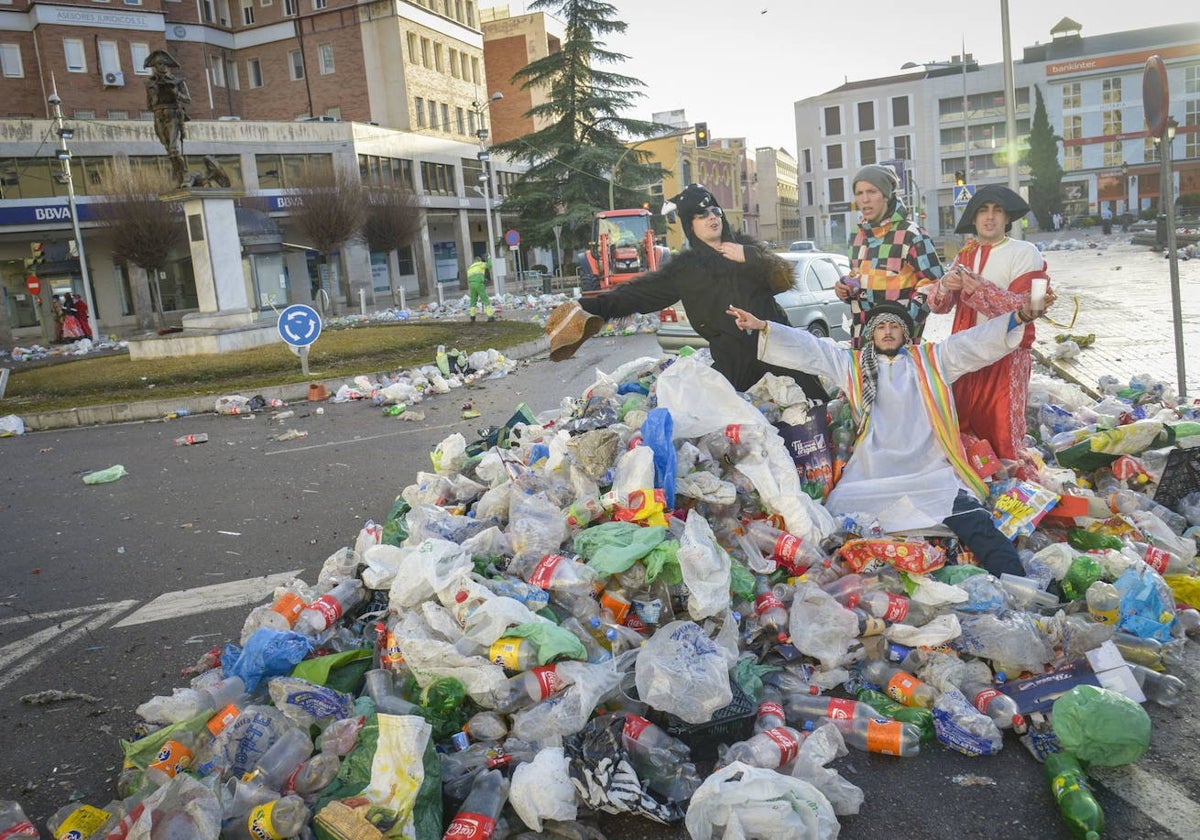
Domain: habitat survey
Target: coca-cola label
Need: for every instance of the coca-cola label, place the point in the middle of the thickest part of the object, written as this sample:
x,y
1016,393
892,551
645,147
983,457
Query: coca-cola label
x,y
548,680
21,829
787,743
471,826
840,709
329,607
733,433
1157,559
766,601
897,608
770,709
635,725
786,547
983,698
544,570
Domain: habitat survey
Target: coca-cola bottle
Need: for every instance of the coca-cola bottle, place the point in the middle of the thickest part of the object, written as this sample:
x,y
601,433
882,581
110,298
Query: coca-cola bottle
x,y
772,616
476,819
788,550
770,749
318,616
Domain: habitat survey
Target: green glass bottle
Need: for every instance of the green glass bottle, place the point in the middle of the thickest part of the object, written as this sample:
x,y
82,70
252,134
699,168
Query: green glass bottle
x,y
1076,805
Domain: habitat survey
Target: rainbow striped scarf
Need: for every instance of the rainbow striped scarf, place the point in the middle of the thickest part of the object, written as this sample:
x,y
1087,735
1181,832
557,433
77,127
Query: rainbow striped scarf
x,y
939,406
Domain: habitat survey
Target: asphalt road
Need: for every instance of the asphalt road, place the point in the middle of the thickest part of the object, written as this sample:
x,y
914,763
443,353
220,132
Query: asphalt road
x,y
84,570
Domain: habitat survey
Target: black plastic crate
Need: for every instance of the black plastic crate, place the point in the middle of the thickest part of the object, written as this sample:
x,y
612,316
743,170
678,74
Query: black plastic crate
x,y
728,725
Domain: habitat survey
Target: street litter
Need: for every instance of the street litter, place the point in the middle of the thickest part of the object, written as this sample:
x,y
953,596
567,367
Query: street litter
x,y
563,617
54,695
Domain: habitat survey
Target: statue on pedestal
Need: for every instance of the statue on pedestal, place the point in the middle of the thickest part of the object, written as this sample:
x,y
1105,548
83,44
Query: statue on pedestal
x,y
167,98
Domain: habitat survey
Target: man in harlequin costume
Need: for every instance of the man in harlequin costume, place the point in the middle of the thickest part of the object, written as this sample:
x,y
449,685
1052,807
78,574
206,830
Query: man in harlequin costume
x,y
908,469
891,257
991,276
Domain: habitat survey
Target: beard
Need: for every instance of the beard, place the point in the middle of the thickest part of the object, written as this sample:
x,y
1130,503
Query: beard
x,y
880,351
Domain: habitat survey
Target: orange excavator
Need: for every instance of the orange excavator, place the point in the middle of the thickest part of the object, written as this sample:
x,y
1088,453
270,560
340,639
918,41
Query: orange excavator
x,y
622,247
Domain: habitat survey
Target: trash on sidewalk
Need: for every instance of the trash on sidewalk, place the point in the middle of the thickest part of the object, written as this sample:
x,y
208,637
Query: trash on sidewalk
x,y
561,616
105,476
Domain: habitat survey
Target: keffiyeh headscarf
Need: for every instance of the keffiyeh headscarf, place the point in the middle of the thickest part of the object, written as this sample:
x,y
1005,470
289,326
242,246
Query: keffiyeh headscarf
x,y
885,313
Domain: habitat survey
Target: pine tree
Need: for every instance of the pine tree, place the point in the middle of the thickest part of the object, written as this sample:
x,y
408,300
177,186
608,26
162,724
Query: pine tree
x,y
1045,172
571,158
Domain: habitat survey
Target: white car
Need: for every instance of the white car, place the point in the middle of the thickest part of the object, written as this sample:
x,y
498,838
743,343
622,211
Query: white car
x,y
811,303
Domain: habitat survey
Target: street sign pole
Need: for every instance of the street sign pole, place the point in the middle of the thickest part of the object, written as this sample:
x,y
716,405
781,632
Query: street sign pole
x,y
299,326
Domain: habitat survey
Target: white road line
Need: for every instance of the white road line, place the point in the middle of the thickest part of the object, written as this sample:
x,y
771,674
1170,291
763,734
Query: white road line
x,y
55,615
347,441
45,644
1162,801
218,596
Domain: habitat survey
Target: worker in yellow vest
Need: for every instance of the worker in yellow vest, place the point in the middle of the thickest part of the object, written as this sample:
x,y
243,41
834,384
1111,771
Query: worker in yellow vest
x,y
478,274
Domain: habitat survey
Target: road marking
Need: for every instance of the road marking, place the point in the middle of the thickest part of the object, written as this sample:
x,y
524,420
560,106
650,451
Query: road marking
x,y
1163,802
36,649
218,596
346,441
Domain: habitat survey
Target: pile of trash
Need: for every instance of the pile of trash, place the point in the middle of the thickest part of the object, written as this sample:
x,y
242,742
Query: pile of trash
x,y
79,347
636,603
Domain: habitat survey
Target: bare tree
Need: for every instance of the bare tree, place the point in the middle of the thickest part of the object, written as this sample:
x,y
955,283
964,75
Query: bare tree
x,y
393,220
329,208
145,230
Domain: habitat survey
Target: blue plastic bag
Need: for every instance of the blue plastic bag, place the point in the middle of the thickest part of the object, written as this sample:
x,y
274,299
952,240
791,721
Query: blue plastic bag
x,y
268,653
656,433
1147,605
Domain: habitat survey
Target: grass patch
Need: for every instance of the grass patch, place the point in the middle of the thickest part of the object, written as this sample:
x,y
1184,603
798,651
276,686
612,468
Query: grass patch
x,y
346,351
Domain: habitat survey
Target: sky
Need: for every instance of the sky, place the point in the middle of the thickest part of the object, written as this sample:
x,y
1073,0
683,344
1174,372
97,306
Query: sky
x,y
739,65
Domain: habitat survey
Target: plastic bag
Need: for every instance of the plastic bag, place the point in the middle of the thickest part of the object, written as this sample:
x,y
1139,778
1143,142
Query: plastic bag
x,y
450,456
706,568
183,807
1010,639
305,703
536,526
425,570
542,790
816,751
682,671
612,547
962,727
820,626
568,711
1147,605
11,424
1100,726
106,476
749,802
605,778
268,653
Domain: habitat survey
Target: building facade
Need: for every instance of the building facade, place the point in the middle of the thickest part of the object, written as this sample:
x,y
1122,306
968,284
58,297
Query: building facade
x,y
950,117
512,42
775,193
395,90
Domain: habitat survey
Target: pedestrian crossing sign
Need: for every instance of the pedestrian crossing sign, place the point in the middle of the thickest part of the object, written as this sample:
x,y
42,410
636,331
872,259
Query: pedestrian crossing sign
x,y
963,194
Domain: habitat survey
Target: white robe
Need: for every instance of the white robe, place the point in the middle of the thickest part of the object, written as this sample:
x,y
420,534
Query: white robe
x,y
898,472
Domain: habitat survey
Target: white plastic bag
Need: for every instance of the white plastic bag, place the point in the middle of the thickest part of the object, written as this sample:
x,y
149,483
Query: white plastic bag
x,y
541,789
759,804
536,526
634,471
820,626
705,567
568,711
11,424
381,563
682,671
817,750
424,570
450,456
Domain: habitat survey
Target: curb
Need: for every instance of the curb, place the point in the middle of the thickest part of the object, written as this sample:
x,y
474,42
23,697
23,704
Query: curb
x,y
147,410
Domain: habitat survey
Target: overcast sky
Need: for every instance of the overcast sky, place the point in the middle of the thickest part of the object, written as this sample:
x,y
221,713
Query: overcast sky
x,y
739,65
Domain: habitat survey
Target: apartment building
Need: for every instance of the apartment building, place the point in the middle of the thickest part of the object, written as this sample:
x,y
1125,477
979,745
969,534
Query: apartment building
x,y
396,89
511,43
950,116
775,192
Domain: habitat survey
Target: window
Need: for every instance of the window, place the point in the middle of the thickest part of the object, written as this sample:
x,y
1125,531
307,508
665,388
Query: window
x,y
73,50
455,67
420,112
808,193
1112,154
425,61
471,122
231,73
318,5
475,69
866,116
837,190
118,115
1150,152
206,9
335,112
437,178
247,12
866,152
437,57
325,57
833,156
110,59
216,70
470,14
466,65
1191,79
902,146
459,121
10,61
445,125
289,8
1072,158
1110,122
1072,127
138,53
833,121
296,64
254,76
1071,96
433,115
806,156
900,111
412,47
1110,91
1191,143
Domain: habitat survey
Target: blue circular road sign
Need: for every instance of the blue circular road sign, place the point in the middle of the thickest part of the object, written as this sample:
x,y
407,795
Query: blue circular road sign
x,y
512,238
299,325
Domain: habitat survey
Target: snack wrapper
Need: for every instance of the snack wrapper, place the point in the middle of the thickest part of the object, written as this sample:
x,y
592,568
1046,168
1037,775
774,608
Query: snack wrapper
x,y
914,556
1018,506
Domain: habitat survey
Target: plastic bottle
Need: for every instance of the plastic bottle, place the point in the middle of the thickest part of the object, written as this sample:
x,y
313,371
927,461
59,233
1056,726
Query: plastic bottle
x,y
788,550
770,611
77,821
898,684
1163,689
14,823
850,587
1127,501
1149,652
1104,602
380,687
530,687
770,709
314,775
476,819
274,820
887,707
571,584
997,705
1084,540
281,759
1076,805
1160,559
801,707
188,440
595,651
1082,573
326,610
663,762
894,609
887,737
514,654
770,749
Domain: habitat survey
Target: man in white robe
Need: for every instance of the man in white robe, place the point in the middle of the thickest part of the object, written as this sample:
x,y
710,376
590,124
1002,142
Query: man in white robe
x,y
908,469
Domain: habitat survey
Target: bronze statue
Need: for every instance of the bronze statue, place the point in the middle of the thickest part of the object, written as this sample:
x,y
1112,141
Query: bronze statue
x,y
167,98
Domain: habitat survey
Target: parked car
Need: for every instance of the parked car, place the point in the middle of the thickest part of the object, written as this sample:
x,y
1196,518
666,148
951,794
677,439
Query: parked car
x,y
803,245
810,304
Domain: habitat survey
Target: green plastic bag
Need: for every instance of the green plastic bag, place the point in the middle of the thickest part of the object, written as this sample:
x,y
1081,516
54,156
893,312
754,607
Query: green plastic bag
x,y
339,671
106,476
553,642
1101,727
612,547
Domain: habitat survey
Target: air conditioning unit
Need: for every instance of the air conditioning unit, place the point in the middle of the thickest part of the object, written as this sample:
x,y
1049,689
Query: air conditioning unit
x,y
114,78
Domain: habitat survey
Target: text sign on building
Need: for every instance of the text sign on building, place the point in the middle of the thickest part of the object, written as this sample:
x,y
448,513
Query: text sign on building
x,y
36,214
98,18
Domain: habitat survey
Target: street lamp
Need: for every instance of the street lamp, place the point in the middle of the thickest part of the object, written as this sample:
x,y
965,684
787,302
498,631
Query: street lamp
x,y
498,269
64,156
961,63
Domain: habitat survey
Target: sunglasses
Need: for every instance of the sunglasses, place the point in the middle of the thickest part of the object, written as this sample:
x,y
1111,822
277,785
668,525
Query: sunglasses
x,y
709,211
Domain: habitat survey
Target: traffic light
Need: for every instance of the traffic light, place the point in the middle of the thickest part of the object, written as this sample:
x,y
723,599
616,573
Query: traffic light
x,y
960,177
701,135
